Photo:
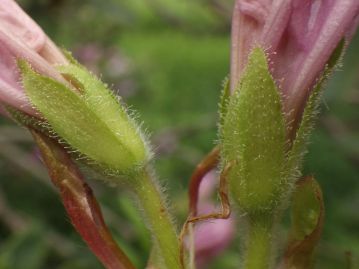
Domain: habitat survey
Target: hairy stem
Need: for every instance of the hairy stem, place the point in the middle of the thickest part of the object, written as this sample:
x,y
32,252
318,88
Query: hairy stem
x,y
158,220
258,248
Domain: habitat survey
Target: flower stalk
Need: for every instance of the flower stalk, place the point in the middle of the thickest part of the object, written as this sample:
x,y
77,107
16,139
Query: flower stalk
x,y
158,220
259,245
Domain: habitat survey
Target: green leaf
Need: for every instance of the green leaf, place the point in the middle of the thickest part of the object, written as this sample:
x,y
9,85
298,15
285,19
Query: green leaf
x,y
254,136
307,224
89,127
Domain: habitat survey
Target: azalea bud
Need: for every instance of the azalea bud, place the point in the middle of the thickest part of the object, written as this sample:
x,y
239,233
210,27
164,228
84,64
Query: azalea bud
x,y
281,52
77,108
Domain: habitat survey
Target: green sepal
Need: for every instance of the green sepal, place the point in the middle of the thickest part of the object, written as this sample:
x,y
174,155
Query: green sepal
x,y
336,57
307,217
254,136
310,113
79,121
108,107
68,55
26,120
299,146
223,103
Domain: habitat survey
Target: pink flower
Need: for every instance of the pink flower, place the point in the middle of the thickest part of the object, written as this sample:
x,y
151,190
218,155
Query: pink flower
x,y
299,36
21,37
213,236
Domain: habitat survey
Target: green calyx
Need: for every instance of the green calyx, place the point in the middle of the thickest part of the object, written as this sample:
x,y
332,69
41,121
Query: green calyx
x,y
253,134
88,117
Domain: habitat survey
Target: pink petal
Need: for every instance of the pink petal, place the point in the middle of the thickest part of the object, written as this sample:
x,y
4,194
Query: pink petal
x,y
17,22
22,51
331,25
21,37
299,37
247,24
15,98
212,237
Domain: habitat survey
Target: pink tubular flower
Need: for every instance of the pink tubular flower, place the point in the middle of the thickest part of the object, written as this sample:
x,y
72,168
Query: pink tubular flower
x,y
21,37
299,36
213,236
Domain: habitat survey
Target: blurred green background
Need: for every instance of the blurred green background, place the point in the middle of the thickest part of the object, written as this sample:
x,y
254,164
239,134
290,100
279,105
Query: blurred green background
x,y
167,58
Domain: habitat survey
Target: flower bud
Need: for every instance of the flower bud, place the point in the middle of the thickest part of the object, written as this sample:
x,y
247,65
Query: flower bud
x,y
91,120
254,139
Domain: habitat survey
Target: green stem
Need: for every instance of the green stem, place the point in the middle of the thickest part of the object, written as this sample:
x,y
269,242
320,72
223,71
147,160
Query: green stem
x,y
258,253
158,220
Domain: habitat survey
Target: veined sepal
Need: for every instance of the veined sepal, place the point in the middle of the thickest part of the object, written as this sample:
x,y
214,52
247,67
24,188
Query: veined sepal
x,y
26,120
253,134
223,104
89,119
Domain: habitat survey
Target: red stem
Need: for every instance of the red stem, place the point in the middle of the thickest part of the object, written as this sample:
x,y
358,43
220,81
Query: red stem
x,y
81,205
